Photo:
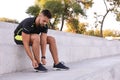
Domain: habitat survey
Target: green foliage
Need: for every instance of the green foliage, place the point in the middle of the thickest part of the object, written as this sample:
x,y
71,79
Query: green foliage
x,y
75,26
116,8
118,16
106,33
33,10
86,3
112,33
97,33
77,9
8,20
55,7
115,2
72,25
40,2
61,10
82,28
90,32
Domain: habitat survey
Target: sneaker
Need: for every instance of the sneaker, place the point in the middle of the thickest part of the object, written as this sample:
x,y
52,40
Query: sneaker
x,y
40,68
60,66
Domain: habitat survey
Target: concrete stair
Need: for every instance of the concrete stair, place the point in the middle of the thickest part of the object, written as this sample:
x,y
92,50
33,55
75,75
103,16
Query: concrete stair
x,y
107,68
90,58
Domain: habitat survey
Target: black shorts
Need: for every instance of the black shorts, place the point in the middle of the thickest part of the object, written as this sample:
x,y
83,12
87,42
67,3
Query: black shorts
x,y
19,42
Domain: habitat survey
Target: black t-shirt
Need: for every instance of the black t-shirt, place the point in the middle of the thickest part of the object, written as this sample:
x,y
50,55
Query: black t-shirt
x,y
28,26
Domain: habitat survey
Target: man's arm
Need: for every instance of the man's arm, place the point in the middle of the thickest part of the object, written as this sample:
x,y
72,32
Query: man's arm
x,y
26,42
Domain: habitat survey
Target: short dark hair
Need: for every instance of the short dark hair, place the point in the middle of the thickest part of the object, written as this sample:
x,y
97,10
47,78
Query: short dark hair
x,y
47,13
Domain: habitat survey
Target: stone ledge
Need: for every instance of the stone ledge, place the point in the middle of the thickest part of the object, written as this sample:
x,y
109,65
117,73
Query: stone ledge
x,y
71,48
107,68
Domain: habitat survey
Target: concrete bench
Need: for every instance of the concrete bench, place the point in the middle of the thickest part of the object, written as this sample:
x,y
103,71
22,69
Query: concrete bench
x,y
71,48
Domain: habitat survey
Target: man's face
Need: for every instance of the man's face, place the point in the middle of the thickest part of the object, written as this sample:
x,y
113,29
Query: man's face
x,y
43,20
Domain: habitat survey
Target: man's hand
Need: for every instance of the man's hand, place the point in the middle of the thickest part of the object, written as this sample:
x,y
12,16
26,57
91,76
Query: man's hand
x,y
34,64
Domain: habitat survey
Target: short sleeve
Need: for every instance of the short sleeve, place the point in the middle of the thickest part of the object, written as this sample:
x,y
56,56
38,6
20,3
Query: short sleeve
x,y
26,29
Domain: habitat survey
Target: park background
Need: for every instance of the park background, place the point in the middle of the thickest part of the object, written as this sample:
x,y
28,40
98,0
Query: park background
x,y
90,17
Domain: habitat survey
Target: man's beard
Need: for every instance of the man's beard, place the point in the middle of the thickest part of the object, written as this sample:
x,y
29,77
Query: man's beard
x,y
41,25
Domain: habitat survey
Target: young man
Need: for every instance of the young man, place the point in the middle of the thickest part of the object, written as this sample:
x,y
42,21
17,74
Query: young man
x,y
28,34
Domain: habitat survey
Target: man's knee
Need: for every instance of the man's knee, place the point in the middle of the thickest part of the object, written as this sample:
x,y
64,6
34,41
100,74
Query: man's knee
x,y
50,40
35,38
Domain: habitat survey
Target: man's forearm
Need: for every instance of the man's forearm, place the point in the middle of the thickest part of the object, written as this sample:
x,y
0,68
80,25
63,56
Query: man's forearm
x,y
26,41
28,51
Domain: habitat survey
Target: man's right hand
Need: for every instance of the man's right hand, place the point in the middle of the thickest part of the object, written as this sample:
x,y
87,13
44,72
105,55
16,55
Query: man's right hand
x,y
34,64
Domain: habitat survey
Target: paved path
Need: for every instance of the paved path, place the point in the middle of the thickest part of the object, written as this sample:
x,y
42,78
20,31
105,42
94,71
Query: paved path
x,y
92,69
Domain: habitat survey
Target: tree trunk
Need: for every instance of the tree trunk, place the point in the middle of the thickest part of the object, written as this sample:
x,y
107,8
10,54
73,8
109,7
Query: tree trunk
x,y
51,26
101,28
62,22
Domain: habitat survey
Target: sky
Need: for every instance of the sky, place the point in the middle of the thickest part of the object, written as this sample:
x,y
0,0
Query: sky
x,y
110,20
15,9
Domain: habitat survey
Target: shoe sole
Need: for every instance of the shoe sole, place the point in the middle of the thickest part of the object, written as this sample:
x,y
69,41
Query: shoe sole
x,y
59,69
40,71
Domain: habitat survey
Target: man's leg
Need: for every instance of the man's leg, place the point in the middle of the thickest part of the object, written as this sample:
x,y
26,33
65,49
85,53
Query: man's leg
x,y
43,43
17,40
53,48
35,40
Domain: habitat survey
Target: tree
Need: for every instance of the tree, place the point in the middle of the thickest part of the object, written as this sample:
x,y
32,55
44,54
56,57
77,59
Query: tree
x,y
106,33
62,9
87,3
33,10
40,2
56,10
72,8
73,25
118,16
8,20
110,6
90,32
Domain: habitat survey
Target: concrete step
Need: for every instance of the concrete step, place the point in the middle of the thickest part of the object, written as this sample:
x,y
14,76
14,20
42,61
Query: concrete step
x,y
107,68
71,48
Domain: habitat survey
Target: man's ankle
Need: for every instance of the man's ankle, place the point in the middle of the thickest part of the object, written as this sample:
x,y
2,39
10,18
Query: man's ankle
x,y
56,63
